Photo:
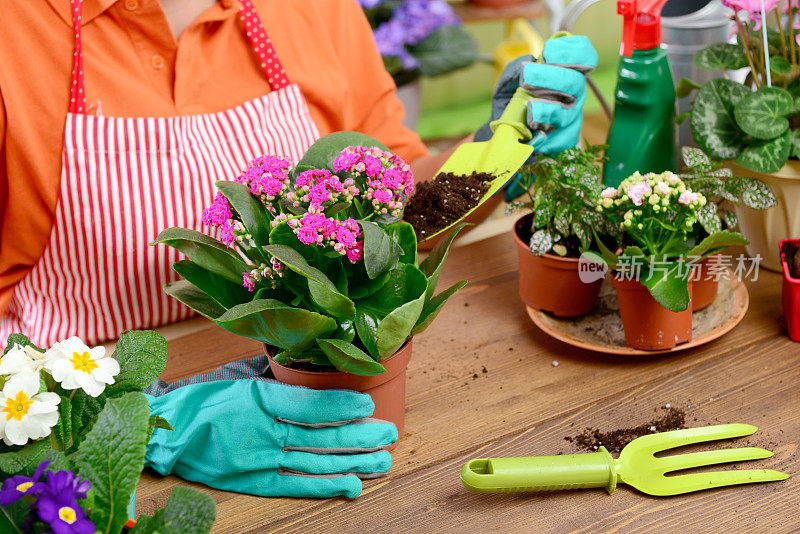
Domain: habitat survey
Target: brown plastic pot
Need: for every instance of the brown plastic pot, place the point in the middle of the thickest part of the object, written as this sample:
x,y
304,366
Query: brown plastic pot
x,y
388,390
552,283
647,324
704,283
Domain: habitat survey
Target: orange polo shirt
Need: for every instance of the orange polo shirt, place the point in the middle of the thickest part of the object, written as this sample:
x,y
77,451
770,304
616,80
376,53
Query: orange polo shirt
x,y
134,67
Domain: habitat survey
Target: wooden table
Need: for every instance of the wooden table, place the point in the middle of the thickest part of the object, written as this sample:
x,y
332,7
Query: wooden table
x,y
482,383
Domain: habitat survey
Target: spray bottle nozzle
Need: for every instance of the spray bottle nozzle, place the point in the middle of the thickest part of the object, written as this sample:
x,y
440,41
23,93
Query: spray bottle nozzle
x,y
641,28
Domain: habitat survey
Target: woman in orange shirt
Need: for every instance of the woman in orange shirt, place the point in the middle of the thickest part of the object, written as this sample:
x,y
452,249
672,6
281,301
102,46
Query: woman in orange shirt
x,y
152,102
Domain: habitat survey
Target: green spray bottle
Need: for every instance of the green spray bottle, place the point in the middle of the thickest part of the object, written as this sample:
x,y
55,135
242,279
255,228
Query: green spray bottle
x,y
643,134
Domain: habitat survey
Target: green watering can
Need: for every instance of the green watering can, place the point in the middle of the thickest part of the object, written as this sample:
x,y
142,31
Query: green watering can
x,y
501,156
636,466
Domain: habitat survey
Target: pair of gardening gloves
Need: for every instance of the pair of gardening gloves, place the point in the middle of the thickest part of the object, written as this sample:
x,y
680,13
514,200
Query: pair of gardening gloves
x,y
237,431
557,86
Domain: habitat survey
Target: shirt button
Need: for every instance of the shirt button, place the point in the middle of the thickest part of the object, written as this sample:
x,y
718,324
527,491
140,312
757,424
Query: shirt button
x,y
131,5
157,61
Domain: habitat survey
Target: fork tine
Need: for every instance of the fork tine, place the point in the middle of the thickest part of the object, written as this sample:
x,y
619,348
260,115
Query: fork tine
x,y
700,459
678,438
701,481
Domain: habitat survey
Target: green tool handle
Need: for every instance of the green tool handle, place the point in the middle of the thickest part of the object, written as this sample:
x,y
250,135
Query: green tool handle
x,y
541,473
515,115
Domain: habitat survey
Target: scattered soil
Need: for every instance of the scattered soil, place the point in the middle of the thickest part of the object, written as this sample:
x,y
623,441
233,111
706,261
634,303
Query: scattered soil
x,y
591,439
444,200
791,251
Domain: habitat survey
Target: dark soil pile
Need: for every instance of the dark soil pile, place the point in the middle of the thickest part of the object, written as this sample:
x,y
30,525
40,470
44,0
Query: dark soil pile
x,y
591,439
791,251
444,200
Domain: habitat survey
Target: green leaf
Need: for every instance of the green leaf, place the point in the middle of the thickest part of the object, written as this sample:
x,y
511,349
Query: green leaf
x,y
448,48
188,511
395,328
348,358
762,114
541,242
57,461
403,233
312,354
581,231
669,286
275,323
366,325
323,152
780,66
21,340
716,242
61,433
730,219
205,251
25,458
685,87
250,210
142,357
111,457
194,298
758,195
434,306
766,156
560,221
381,251
713,123
707,215
721,56
432,266
694,157
225,293
323,292
795,139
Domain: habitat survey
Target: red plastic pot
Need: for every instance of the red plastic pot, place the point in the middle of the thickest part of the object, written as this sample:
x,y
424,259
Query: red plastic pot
x,y
647,324
705,282
552,283
388,390
791,293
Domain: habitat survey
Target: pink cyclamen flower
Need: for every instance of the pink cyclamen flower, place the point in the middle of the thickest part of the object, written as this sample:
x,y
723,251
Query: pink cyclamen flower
x,y
688,197
637,192
609,192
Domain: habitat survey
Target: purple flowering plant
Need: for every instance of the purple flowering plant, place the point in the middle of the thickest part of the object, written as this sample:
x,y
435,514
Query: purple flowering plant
x,y
419,37
313,259
754,123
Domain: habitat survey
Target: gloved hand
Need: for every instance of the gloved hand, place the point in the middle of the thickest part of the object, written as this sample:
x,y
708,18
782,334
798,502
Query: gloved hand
x,y
270,439
557,85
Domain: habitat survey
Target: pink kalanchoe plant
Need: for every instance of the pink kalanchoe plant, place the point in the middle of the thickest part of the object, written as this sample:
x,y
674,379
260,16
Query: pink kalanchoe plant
x,y
313,259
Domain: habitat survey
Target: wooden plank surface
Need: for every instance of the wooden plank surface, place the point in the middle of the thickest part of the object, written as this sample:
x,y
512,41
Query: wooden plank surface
x,y
523,405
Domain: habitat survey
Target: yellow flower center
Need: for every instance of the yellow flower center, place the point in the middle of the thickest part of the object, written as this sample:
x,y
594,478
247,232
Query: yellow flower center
x,y
25,486
18,407
67,514
81,361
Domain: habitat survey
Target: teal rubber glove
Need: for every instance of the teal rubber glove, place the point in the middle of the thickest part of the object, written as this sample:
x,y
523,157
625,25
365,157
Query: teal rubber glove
x,y
557,84
269,439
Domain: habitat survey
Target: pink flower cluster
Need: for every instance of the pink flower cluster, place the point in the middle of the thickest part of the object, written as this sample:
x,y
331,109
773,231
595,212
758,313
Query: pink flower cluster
x,y
389,179
315,187
638,191
263,272
267,177
219,214
342,236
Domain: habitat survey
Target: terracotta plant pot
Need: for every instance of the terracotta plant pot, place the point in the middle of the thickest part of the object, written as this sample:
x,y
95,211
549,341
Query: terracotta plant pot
x,y
764,228
791,294
705,282
388,390
647,324
552,283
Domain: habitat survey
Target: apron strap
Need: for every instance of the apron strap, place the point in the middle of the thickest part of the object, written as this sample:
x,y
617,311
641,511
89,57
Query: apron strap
x,y
256,35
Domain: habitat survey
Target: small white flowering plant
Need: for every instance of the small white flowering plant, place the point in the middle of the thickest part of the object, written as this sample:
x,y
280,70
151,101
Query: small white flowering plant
x,y
656,215
562,193
313,259
74,426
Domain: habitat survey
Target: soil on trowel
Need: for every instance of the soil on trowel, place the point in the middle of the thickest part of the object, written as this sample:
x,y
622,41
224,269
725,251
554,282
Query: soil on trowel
x,y
791,251
592,438
444,200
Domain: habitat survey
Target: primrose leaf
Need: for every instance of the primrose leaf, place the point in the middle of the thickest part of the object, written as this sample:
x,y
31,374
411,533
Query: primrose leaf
x,y
23,459
188,511
21,340
713,123
763,113
348,358
111,457
142,357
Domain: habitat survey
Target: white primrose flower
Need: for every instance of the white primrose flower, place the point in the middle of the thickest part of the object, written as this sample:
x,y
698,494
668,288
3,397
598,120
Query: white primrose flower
x,y
21,359
24,412
75,365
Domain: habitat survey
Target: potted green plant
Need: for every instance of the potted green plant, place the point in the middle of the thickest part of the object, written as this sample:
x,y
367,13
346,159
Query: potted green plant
x,y
656,214
315,263
753,125
722,191
65,409
562,194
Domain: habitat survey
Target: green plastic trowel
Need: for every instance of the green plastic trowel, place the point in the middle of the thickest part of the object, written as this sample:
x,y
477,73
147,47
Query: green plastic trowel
x,y
636,466
501,156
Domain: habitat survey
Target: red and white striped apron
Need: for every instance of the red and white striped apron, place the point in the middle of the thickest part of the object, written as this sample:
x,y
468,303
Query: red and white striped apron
x,y
123,180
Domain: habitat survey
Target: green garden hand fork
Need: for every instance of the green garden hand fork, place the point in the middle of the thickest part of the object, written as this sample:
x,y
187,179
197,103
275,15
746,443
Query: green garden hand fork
x,y
636,466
